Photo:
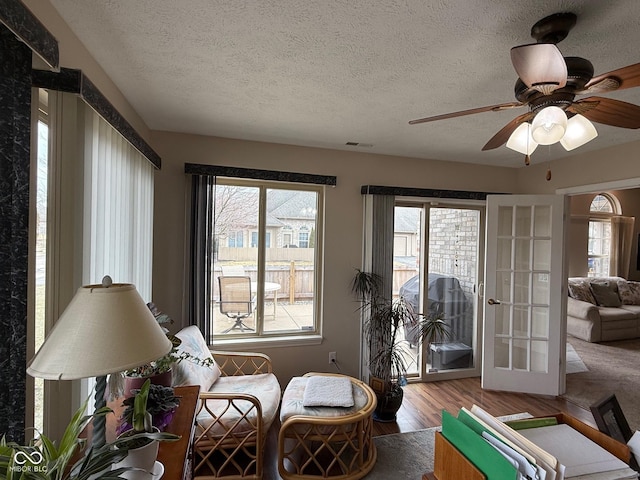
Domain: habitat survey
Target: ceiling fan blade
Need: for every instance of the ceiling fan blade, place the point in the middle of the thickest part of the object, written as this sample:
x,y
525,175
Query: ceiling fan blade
x,y
490,108
610,112
503,135
625,77
540,66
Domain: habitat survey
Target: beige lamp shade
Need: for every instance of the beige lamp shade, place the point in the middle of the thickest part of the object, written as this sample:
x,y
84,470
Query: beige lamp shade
x,y
105,329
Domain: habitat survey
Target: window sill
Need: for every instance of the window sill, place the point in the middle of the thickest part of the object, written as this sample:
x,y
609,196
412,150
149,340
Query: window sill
x,y
276,342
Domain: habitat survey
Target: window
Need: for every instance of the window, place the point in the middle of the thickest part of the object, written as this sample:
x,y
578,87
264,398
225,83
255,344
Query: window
x,y
598,255
303,237
42,200
283,281
99,222
236,240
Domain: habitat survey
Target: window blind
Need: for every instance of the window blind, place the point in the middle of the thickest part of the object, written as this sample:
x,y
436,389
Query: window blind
x,y
118,208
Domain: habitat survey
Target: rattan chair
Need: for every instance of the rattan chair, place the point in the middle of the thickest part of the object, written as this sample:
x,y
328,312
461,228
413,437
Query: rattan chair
x,y
239,401
324,442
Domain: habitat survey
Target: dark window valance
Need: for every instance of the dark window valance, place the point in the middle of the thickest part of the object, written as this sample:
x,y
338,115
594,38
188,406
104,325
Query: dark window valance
x,y
75,81
422,192
256,174
24,25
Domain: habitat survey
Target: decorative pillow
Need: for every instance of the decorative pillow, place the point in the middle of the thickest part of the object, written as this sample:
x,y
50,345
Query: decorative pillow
x,y
606,294
188,372
629,292
580,290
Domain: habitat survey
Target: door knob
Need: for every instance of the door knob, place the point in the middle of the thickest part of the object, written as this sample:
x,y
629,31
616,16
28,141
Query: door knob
x,y
491,301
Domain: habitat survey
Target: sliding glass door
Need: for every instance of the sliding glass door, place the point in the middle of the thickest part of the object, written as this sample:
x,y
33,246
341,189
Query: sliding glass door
x,y
437,258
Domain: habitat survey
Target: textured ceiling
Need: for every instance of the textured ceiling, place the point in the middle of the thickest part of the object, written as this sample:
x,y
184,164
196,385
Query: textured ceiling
x,y
326,72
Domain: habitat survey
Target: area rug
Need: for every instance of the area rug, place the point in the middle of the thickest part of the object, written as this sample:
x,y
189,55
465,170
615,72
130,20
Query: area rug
x,y
613,367
409,455
574,362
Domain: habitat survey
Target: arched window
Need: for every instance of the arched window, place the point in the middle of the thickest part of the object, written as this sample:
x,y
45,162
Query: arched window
x,y
602,208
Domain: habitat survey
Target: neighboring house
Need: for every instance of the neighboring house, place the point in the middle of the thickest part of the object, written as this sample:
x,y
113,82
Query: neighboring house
x,y
290,222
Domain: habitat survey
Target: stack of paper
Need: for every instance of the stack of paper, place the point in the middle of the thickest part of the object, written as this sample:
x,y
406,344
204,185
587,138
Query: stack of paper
x,y
536,449
581,457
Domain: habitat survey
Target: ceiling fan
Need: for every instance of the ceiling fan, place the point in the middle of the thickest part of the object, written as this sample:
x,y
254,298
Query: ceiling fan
x,y
547,79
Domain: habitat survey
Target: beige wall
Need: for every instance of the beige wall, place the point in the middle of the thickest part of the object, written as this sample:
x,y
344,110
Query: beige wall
x,y
343,223
613,164
74,55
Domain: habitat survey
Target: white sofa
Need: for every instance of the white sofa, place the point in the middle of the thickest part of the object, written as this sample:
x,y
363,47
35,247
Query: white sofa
x,y
603,308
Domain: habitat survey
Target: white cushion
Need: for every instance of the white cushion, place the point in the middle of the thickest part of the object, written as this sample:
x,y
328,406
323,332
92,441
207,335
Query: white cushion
x,y
264,386
187,372
328,391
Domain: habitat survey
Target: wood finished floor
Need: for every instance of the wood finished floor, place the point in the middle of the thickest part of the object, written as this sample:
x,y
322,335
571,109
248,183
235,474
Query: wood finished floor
x,y
423,404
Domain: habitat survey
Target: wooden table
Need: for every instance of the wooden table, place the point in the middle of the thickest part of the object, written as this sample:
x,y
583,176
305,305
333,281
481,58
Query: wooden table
x,y
175,456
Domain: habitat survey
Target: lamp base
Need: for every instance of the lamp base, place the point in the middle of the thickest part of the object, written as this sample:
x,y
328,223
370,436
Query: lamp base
x,y
98,438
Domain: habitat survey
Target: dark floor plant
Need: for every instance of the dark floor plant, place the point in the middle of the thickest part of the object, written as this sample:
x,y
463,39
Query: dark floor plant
x,y
384,320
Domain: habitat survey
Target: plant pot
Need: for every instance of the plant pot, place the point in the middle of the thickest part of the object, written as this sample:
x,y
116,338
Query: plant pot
x,y
142,458
388,404
134,383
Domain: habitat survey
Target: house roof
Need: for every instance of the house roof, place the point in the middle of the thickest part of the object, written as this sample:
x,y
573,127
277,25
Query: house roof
x,y
324,73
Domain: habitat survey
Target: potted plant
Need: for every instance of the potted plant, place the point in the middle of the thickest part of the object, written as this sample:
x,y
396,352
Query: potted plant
x,y
384,320
141,440
161,405
159,370
45,458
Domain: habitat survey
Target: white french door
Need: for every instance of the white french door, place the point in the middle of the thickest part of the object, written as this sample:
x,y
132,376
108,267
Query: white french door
x,y
525,294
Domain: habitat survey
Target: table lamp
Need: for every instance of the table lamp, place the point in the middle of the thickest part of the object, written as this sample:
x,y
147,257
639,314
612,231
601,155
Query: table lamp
x,y
105,329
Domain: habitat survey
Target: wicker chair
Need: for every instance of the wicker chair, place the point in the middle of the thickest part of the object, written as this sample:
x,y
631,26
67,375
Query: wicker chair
x,y
326,442
235,410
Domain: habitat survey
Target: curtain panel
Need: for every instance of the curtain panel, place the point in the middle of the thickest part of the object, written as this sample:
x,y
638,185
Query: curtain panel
x,y
621,244
201,252
378,252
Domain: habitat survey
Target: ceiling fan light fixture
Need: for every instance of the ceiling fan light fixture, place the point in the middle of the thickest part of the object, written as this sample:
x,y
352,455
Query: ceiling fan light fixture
x,y
549,125
540,66
521,140
579,131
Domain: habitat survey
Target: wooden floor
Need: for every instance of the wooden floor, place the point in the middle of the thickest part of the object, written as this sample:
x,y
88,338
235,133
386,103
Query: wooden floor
x,y
423,404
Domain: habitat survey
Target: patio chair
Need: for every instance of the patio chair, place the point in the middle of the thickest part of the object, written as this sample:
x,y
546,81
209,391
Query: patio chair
x,y
236,300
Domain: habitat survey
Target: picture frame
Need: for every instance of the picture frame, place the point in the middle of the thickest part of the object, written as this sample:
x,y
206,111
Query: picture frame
x,y
610,419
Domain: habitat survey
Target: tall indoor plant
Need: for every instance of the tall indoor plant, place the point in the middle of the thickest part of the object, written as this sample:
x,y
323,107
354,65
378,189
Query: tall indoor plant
x,y
384,320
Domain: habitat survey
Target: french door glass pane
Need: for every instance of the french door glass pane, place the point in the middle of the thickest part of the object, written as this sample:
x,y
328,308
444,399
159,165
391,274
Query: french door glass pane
x,y
521,331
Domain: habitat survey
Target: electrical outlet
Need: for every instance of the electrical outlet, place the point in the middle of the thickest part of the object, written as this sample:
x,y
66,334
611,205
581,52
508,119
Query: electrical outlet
x,y
333,358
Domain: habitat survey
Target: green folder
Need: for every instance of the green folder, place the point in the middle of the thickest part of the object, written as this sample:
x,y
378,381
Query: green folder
x,y
525,423
477,450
